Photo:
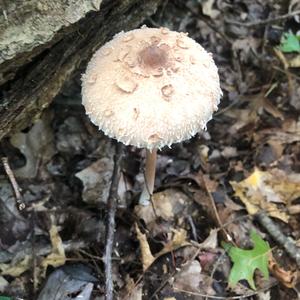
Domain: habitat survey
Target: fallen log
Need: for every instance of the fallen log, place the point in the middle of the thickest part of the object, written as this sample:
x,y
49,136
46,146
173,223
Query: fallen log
x,y
32,74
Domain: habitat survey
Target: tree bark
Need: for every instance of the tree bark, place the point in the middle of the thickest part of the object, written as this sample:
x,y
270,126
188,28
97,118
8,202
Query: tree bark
x,y
29,27
43,42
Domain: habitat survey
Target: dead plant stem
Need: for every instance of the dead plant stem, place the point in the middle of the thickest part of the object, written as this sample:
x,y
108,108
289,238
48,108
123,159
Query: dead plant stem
x,y
110,223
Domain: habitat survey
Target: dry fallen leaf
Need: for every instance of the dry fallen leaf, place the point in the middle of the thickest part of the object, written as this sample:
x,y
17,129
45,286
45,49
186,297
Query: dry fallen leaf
x,y
57,257
178,240
261,190
36,145
167,204
171,208
3,283
147,257
191,279
211,242
188,277
294,62
15,269
96,180
264,295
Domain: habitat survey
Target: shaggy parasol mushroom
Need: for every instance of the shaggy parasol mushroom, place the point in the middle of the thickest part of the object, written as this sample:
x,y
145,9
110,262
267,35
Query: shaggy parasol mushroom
x,y
151,88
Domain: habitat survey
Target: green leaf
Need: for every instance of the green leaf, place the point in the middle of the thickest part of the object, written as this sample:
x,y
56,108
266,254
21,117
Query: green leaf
x,y
245,262
289,43
5,298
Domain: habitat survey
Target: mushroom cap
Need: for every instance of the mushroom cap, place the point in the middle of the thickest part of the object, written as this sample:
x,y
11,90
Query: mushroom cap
x,y
151,87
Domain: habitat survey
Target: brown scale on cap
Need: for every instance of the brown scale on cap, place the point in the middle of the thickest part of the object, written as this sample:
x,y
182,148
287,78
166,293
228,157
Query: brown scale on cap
x,y
126,85
154,57
167,91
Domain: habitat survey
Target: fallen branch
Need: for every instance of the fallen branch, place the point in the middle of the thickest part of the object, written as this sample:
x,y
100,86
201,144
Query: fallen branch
x,y
110,225
286,242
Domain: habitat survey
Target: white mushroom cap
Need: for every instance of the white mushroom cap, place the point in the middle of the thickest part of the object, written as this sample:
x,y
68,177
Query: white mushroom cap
x,y
151,87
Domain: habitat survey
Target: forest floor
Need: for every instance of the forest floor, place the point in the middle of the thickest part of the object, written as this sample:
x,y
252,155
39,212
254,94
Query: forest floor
x,y
238,183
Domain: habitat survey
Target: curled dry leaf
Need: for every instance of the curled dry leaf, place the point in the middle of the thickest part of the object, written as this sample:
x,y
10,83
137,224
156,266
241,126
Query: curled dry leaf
x,y
287,278
210,242
147,257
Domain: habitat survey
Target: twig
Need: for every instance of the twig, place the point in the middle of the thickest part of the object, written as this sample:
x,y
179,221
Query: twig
x,y
216,216
110,225
14,184
286,242
283,71
197,15
193,228
264,22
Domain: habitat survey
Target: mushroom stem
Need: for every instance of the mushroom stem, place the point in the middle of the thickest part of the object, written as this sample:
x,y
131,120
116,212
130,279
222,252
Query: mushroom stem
x,y
149,177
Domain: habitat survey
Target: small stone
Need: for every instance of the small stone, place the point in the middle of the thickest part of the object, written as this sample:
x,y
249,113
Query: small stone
x,y
157,72
130,61
123,53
